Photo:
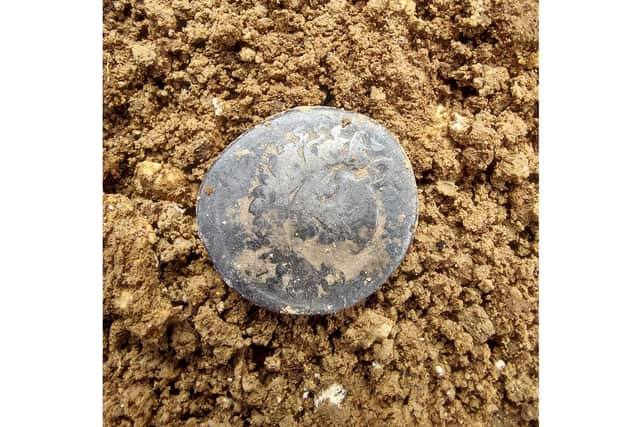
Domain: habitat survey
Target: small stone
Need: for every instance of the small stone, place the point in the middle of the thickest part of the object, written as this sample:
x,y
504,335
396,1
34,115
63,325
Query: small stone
x,y
447,188
247,54
160,182
459,126
217,106
377,94
514,167
500,365
477,158
476,322
143,53
333,395
124,299
439,370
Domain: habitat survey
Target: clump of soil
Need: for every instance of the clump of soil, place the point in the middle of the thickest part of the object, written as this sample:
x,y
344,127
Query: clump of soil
x,y
451,339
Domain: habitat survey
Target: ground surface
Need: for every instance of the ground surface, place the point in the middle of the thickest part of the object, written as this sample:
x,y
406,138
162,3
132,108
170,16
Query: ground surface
x,y
451,339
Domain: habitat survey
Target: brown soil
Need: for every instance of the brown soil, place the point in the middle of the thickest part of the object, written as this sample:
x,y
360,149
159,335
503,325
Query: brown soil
x,y
451,339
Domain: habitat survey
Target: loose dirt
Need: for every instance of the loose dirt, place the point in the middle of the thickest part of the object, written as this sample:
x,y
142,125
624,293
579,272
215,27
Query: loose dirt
x,y
451,339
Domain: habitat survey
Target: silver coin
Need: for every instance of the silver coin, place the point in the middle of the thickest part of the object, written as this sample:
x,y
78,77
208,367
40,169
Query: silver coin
x,y
310,211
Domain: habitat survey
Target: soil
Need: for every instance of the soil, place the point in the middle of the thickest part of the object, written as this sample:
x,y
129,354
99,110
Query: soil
x,y
452,337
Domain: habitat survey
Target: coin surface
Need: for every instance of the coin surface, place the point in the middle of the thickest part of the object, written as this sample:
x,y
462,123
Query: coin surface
x,y
310,211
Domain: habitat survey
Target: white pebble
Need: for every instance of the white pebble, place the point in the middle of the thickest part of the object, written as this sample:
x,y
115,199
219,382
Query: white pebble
x,y
439,370
334,395
500,364
217,106
459,123
305,395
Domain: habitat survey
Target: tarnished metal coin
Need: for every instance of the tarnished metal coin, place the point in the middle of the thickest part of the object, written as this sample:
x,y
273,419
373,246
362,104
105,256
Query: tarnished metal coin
x,y
310,211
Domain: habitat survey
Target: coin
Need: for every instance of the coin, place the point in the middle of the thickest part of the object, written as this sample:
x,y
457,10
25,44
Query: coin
x,y
310,211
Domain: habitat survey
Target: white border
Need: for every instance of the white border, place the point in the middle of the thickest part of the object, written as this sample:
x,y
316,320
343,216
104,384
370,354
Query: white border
x,y
589,291
51,215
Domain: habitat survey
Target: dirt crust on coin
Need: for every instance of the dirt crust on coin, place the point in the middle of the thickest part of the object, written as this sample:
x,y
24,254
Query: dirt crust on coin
x,y
452,337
